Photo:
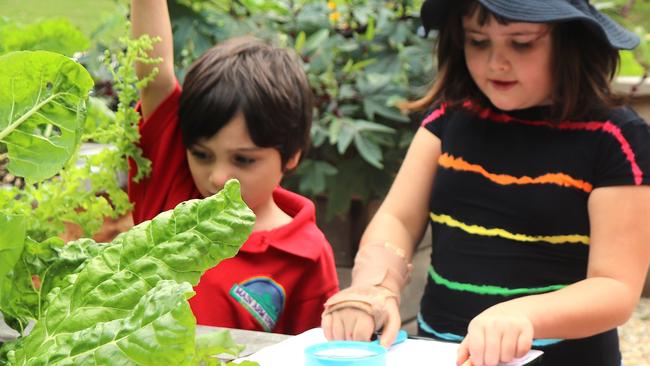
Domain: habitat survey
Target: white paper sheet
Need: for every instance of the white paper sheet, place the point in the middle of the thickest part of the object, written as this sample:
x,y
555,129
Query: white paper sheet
x,y
412,352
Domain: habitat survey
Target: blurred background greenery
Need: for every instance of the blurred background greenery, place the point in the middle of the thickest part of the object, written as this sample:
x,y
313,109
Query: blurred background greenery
x,y
87,15
361,56
635,15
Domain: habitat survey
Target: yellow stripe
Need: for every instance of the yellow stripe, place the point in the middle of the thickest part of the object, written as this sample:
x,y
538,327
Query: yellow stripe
x,y
480,230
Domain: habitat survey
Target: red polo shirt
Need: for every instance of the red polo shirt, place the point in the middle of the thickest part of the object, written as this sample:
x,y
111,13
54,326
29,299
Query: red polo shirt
x,y
280,278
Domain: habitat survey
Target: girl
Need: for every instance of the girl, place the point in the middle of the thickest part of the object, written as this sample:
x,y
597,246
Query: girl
x,y
536,191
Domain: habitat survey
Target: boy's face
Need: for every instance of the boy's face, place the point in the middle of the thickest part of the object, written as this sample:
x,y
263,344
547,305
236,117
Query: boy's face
x,y
510,64
231,153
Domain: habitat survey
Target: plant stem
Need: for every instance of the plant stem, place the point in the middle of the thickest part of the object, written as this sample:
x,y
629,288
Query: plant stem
x,y
48,131
4,133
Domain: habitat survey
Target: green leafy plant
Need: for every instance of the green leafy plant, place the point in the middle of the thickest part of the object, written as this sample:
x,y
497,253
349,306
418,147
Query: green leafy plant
x,y
361,57
123,302
41,111
46,114
56,35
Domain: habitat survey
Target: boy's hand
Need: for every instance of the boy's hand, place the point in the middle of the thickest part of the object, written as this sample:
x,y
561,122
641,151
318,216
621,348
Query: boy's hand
x,y
494,337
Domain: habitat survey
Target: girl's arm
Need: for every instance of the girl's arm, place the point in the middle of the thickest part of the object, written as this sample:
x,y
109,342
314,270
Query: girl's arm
x,y
152,17
400,221
403,215
618,262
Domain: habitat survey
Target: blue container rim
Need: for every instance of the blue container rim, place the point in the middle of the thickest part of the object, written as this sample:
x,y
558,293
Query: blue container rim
x,y
378,351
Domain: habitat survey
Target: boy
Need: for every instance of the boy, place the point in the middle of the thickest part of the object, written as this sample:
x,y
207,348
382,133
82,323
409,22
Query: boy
x,y
244,112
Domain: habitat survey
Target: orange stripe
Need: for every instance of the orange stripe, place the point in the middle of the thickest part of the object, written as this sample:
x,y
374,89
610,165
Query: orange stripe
x,y
449,161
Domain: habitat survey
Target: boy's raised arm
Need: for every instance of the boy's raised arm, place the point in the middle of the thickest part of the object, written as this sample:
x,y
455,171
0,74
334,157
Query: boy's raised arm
x,y
152,17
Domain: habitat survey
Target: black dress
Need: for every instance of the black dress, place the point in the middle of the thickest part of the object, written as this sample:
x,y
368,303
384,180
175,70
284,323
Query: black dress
x,y
509,214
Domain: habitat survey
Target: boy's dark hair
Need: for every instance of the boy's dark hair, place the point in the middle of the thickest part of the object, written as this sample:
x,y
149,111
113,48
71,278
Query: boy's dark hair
x,y
266,84
582,67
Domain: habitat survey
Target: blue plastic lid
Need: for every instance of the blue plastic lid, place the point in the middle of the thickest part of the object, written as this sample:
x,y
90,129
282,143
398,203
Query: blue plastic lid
x,y
340,353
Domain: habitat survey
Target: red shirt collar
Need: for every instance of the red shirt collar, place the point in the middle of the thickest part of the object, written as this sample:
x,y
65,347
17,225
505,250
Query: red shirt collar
x,y
295,237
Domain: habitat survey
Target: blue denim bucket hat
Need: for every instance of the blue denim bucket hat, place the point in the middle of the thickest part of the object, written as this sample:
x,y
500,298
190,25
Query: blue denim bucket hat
x,y
433,13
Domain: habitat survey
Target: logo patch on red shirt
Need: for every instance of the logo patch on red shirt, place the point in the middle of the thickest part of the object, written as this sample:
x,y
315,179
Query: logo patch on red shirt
x,y
263,298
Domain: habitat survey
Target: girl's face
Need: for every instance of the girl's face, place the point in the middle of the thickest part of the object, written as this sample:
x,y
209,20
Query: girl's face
x,y
511,64
231,153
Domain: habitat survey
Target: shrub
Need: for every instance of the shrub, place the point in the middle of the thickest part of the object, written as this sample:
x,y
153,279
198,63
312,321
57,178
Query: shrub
x,y
360,56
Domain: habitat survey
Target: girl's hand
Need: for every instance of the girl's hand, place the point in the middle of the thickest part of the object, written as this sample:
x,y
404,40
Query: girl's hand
x,y
348,324
351,323
493,338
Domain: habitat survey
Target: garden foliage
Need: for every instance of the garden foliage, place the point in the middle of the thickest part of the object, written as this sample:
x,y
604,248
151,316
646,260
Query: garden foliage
x,y
123,302
361,58
42,107
634,15
45,113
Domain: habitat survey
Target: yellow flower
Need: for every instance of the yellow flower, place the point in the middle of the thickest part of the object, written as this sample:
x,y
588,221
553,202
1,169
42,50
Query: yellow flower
x,y
335,16
331,5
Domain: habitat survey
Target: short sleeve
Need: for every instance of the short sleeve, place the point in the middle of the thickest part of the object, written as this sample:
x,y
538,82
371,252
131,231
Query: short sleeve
x,y
624,151
435,119
318,283
163,120
162,144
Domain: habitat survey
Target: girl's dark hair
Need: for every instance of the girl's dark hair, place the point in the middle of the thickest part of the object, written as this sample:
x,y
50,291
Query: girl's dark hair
x,y
266,84
582,67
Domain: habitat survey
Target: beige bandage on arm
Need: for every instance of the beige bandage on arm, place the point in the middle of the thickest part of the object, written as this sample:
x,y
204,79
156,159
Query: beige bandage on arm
x,y
380,272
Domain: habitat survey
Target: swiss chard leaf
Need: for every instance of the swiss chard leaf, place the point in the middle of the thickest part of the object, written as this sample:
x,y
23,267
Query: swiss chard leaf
x,y
49,263
92,299
12,239
42,111
56,35
214,343
159,330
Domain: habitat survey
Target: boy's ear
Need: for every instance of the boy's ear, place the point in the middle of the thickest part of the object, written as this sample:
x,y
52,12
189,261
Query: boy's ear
x,y
293,161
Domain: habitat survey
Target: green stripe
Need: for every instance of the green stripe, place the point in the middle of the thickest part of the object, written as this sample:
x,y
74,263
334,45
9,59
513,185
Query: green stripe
x,y
488,289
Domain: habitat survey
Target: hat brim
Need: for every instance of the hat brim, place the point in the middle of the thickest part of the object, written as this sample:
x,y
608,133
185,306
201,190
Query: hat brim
x,y
433,13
